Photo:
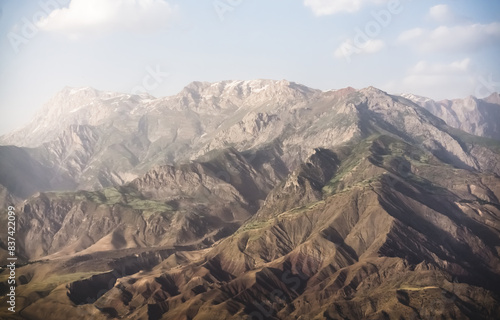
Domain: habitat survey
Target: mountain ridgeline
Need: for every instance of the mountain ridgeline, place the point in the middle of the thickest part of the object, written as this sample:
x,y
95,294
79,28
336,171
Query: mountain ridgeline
x,y
255,200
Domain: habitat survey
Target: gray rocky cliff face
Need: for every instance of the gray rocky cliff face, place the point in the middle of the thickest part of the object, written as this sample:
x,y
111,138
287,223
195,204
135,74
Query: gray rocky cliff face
x,y
348,203
480,117
90,139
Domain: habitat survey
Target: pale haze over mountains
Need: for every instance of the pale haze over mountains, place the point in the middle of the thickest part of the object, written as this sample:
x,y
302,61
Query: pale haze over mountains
x,y
439,49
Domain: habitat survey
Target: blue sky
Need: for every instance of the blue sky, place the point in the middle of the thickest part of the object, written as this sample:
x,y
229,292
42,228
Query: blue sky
x,y
440,49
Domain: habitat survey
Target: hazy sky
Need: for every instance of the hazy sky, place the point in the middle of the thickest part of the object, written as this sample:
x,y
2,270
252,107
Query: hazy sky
x,y
439,49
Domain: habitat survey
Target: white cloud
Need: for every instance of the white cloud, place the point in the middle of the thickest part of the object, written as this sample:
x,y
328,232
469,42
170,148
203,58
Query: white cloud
x,y
102,16
328,7
437,80
348,48
426,68
373,45
410,35
457,38
441,13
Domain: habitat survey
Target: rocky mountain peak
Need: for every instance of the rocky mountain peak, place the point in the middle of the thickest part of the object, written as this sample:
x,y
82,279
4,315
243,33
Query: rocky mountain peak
x,y
473,115
493,98
241,89
72,106
343,91
209,97
470,100
372,91
416,98
120,136
350,204
70,98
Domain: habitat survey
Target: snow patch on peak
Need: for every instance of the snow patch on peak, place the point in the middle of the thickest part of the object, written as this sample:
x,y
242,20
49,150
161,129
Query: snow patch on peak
x,y
415,98
260,89
76,90
372,89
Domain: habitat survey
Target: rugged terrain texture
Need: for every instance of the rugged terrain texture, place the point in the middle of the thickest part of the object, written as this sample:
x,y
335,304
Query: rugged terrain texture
x,y
300,204
195,203
480,117
88,139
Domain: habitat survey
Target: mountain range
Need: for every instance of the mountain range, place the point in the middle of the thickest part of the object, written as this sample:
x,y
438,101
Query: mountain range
x,y
255,199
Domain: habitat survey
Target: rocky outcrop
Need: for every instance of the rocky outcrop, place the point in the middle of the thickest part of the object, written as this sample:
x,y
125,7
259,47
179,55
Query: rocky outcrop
x,y
91,139
479,117
396,243
197,203
380,228
256,199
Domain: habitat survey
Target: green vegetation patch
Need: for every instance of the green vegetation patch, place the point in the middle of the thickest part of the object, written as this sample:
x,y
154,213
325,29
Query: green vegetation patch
x,y
51,282
117,196
149,207
252,225
301,209
358,154
471,140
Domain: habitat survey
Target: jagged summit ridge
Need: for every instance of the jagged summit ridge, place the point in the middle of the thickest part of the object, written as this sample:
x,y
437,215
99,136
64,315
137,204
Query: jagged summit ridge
x,y
352,204
104,138
471,114
88,106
